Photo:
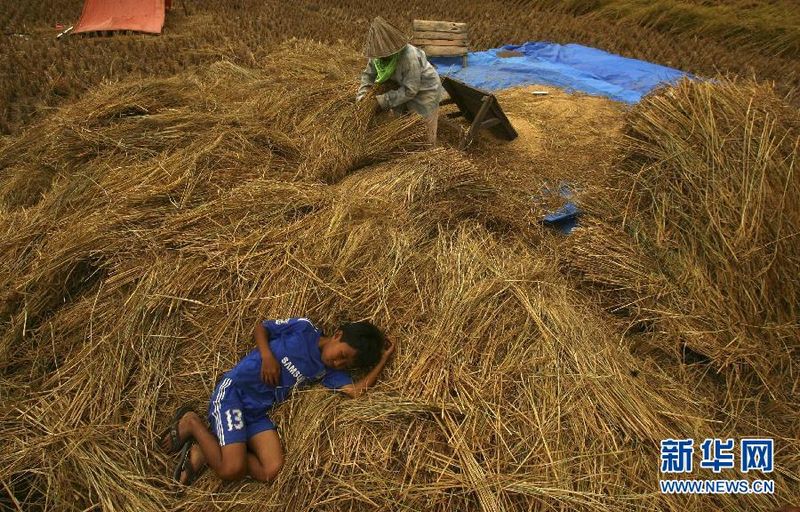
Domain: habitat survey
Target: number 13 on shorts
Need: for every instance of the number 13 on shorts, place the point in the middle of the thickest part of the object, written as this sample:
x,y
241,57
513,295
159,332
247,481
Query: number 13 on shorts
x,y
234,417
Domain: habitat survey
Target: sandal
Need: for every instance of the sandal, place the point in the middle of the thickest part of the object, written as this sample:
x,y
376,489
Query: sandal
x,y
185,464
176,444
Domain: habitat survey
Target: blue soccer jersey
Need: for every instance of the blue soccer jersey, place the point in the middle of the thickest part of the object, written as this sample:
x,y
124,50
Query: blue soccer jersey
x,y
240,402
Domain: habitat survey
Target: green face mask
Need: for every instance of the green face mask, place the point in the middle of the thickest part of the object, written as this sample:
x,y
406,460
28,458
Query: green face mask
x,y
385,67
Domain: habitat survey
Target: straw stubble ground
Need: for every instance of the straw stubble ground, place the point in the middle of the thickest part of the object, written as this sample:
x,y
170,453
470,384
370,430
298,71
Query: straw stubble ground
x,y
147,226
39,72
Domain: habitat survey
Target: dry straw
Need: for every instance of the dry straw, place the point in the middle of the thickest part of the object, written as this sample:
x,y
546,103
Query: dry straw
x,y
166,216
705,196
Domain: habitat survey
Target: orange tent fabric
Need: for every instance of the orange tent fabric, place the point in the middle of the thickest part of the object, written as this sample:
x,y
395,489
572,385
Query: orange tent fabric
x,y
137,15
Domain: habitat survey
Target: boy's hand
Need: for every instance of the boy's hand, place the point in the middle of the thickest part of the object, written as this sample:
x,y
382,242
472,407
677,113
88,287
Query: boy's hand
x,y
270,370
369,380
388,349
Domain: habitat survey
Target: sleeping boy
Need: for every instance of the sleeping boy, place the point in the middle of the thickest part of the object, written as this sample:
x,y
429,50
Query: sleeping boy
x,y
242,439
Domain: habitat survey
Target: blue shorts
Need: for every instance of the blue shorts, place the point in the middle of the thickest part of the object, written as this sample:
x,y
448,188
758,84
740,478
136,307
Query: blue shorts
x,y
229,420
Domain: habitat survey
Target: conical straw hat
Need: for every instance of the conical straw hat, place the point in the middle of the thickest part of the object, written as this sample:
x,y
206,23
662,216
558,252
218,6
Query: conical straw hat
x,y
383,39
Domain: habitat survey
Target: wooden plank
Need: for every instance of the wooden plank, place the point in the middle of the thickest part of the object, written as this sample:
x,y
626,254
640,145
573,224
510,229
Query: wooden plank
x,y
445,51
437,26
437,42
453,36
486,105
473,103
504,129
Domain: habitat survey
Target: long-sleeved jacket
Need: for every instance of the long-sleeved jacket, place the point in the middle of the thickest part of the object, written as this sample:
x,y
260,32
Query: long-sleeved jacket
x,y
420,88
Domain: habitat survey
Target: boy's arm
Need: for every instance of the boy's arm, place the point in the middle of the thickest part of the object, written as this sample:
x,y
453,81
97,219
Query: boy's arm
x,y
358,388
270,369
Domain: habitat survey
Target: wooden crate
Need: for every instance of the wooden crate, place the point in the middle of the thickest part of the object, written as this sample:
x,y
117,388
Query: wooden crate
x,y
441,38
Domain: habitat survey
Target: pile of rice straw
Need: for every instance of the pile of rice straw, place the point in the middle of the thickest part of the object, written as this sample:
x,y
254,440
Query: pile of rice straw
x,y
145,228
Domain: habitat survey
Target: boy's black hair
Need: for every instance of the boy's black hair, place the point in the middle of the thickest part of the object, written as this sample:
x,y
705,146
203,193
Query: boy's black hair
x,y
366,339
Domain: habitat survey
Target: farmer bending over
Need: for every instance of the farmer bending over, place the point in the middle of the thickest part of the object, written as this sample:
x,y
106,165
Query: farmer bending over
x,y
404,68
242,440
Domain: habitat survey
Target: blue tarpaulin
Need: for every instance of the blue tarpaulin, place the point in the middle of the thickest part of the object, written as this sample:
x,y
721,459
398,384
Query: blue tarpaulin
x,y
569,66
564,219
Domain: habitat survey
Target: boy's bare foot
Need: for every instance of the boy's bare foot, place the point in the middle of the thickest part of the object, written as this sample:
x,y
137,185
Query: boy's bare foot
x,y
179,431
194,466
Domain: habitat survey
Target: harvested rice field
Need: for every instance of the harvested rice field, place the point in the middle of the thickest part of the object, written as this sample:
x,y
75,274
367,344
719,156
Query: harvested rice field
x,y
160,194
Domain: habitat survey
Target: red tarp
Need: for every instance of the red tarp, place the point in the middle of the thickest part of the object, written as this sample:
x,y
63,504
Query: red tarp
x,y
138,15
